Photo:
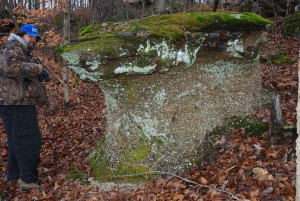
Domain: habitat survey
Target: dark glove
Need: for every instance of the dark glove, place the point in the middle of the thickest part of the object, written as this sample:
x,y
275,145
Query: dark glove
x,y
44,76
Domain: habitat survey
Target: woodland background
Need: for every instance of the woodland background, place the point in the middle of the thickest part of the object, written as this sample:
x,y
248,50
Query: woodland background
x,y
240,166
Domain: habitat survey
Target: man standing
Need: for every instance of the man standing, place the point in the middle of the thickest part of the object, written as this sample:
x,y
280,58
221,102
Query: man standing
x,y
20,91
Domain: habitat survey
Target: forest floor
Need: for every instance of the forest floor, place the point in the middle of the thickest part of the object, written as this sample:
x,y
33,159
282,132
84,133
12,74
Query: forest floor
x,y
242,167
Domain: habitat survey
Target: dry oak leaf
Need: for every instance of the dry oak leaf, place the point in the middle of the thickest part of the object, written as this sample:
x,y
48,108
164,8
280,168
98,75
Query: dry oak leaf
x,y
259,172
179,197
202,180
289,190
254,193
275,155
56,186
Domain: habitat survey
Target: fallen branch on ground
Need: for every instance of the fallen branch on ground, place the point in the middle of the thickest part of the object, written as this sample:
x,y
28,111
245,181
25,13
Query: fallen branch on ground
x,y
183,179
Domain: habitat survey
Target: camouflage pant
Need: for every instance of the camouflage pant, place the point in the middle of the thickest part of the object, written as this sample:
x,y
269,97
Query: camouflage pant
x,y
24,141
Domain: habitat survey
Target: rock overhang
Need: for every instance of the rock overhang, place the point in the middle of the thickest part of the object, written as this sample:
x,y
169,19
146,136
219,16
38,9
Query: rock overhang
x,y
136,46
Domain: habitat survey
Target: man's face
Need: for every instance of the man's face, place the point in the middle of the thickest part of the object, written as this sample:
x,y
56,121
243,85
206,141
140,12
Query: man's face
x,y
30,41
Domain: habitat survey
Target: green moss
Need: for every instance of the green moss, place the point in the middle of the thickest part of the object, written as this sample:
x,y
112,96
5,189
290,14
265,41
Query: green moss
x,y
60,49
75,175
91,30
288,127
210,138
164,27
4,14
291,25
58,21
255,128
107,45
230,123
154,49
233,19
142,149
149,53
266,97
130,164
142,61
129,91
279,58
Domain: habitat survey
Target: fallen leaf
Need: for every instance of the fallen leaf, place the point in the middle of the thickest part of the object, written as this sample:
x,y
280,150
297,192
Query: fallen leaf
x,y
268,190
56,186
259,172
275,155
254,193
202,180
179,197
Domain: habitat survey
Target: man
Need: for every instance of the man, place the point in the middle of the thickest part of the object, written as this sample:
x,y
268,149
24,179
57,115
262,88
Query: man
x,y
20,91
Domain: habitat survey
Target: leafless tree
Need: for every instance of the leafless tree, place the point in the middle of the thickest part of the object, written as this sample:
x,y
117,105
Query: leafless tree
x,y
298,139
171,6
161,6
119,10
2,4
216,3
10,5
66,40
101,11
36,4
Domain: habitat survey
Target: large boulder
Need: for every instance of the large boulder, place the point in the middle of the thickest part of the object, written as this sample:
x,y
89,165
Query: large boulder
x,y
168,80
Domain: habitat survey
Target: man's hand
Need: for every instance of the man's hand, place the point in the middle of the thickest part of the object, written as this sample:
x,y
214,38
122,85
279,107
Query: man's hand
x,y
44,76
40,68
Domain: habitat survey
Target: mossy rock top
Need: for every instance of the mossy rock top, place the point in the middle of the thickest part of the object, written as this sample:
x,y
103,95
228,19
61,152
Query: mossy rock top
x,y
165,27
292,25
152,44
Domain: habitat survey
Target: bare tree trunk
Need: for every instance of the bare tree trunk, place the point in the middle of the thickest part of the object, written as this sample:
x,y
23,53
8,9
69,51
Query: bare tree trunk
x,y
66,40
101,11
161,6
143,9
120,10
10,8
216,3
2,4
36,5
171,6
275,128
288,6
25,3
298,139
187,4
152,8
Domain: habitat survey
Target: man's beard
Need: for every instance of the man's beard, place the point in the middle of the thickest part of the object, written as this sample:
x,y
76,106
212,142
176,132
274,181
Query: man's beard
x,y
31,46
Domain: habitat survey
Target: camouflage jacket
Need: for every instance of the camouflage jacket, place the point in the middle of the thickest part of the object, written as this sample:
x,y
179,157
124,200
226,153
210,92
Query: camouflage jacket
x,y
19,83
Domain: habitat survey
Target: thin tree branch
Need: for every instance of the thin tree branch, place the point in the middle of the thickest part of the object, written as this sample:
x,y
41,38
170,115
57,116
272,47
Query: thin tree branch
x,y
183,179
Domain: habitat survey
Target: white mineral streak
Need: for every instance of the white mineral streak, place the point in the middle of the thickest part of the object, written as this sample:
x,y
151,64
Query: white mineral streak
x,y
93,65
160,98
132,68
150,126
124,52
235,48
73,63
